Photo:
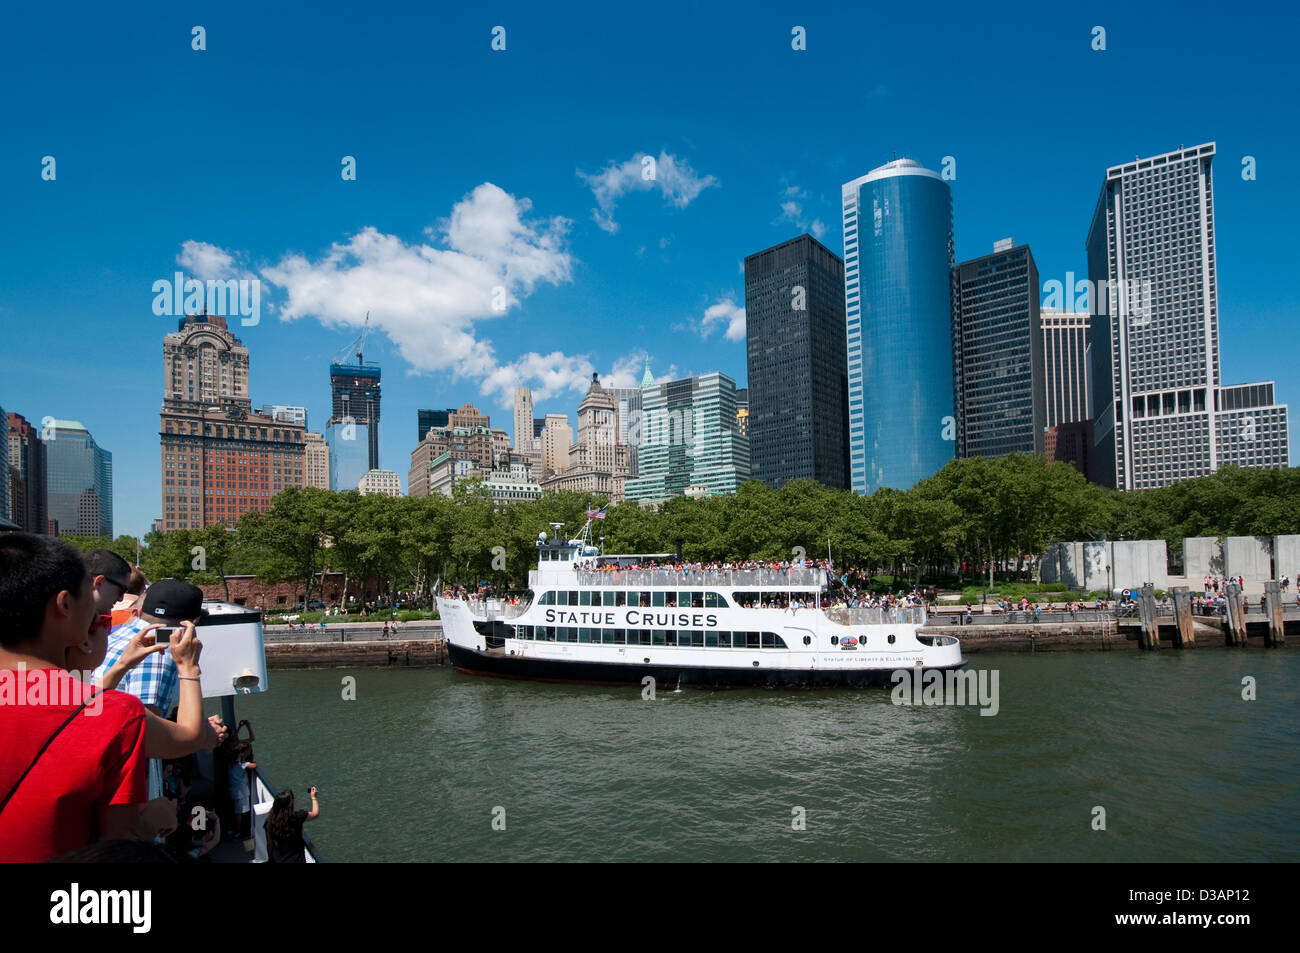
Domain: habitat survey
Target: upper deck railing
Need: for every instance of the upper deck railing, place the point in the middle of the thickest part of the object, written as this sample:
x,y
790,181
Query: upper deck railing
x,y
904,615
496,609
699,578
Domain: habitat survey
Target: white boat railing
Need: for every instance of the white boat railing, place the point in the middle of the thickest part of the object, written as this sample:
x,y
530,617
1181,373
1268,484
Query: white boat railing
x,y
697,578
489,609
905,615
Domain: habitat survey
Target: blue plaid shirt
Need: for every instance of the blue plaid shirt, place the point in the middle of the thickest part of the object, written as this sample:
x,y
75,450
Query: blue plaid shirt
x,y
154,681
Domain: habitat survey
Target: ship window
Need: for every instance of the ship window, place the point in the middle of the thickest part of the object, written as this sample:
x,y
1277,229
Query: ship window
x,y
724,640
670,637
697,638
660,637
657,599
584,598
753,641
546,633
642,637
523,632
712,600
634,598
670,600
584,635
619,597
613,598
571,634
548,599
611,636
769,640
573,598
711,639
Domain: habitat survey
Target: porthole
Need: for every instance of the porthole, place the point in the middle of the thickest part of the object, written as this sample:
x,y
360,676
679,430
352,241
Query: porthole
x,y
807,640
835,640
647,661
756,663
891,640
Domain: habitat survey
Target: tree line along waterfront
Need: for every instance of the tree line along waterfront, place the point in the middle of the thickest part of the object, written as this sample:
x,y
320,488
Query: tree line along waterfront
x,y
978,521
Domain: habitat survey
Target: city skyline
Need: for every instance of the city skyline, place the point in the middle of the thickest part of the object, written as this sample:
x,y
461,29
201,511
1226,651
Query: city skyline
x,y
636,269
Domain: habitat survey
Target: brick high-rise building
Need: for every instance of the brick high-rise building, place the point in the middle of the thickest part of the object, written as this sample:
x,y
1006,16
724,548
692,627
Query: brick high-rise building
x,y
219,458
28,502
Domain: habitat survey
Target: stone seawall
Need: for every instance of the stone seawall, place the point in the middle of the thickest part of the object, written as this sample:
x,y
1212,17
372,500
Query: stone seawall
x,y
1043,637
386,653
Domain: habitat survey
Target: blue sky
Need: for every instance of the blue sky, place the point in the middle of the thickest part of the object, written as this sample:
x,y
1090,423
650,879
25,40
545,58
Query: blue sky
x,y
520,168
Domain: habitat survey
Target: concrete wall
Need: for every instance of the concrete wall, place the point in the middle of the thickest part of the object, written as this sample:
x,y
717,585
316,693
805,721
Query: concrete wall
x,y
1286,556
1250,557
1084,565
1202,556
1135,561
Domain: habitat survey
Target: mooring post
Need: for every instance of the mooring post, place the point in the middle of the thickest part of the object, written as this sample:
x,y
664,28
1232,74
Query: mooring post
x,y
1186,638
1236,617
1276,636
1149,636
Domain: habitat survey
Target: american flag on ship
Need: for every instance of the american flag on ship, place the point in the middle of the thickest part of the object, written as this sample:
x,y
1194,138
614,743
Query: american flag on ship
x,y
596,514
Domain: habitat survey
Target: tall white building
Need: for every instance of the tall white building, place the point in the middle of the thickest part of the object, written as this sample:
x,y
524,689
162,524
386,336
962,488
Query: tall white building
x,y
316,461
1159,412
1065,352
557,437
524,441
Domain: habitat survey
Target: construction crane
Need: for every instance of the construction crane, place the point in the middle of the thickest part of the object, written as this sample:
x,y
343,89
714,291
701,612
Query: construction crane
x,y
356,346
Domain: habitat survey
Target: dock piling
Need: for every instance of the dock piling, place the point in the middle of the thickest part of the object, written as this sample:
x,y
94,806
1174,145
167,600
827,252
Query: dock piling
x,y
1276,635
1235,633
1149,634
1186,637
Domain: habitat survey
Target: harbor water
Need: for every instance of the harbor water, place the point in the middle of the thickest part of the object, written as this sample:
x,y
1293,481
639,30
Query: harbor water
x,y
1161,748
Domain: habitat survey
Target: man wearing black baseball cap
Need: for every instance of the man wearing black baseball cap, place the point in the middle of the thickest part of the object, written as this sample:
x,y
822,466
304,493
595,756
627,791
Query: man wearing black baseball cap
x,y
155,678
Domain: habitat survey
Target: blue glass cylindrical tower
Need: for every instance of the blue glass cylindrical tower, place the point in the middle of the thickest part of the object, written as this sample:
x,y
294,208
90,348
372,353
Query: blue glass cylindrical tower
x,y
898,258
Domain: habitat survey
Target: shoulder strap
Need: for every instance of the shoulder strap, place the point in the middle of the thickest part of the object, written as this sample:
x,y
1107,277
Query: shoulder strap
x,y
57,731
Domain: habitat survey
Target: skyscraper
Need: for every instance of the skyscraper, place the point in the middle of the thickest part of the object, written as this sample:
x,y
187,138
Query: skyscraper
x,y
79,479
523,435
794,329
432,418
219,459
898,258
690,438
1159,412
315,461
28,503
1065,353
629,423
597,460
557,437
4,471
997,364
354,418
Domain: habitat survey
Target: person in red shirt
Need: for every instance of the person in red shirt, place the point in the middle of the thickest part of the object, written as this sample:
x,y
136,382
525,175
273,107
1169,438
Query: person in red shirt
x,y
72,758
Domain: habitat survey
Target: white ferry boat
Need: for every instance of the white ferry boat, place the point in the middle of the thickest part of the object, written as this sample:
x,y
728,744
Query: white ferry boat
x,y
591,618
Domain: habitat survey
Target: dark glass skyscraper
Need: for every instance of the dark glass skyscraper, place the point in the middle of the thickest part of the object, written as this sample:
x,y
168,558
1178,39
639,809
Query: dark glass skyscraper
x,y
354,392
997,360
794,326
898,258
79,479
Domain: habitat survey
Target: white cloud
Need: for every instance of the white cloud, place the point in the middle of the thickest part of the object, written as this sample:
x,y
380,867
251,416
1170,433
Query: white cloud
x,y
725,313
428,299
205,261
674,178
792,211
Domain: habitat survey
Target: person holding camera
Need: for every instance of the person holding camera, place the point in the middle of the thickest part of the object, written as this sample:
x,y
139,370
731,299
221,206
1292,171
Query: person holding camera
x,y
284,843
